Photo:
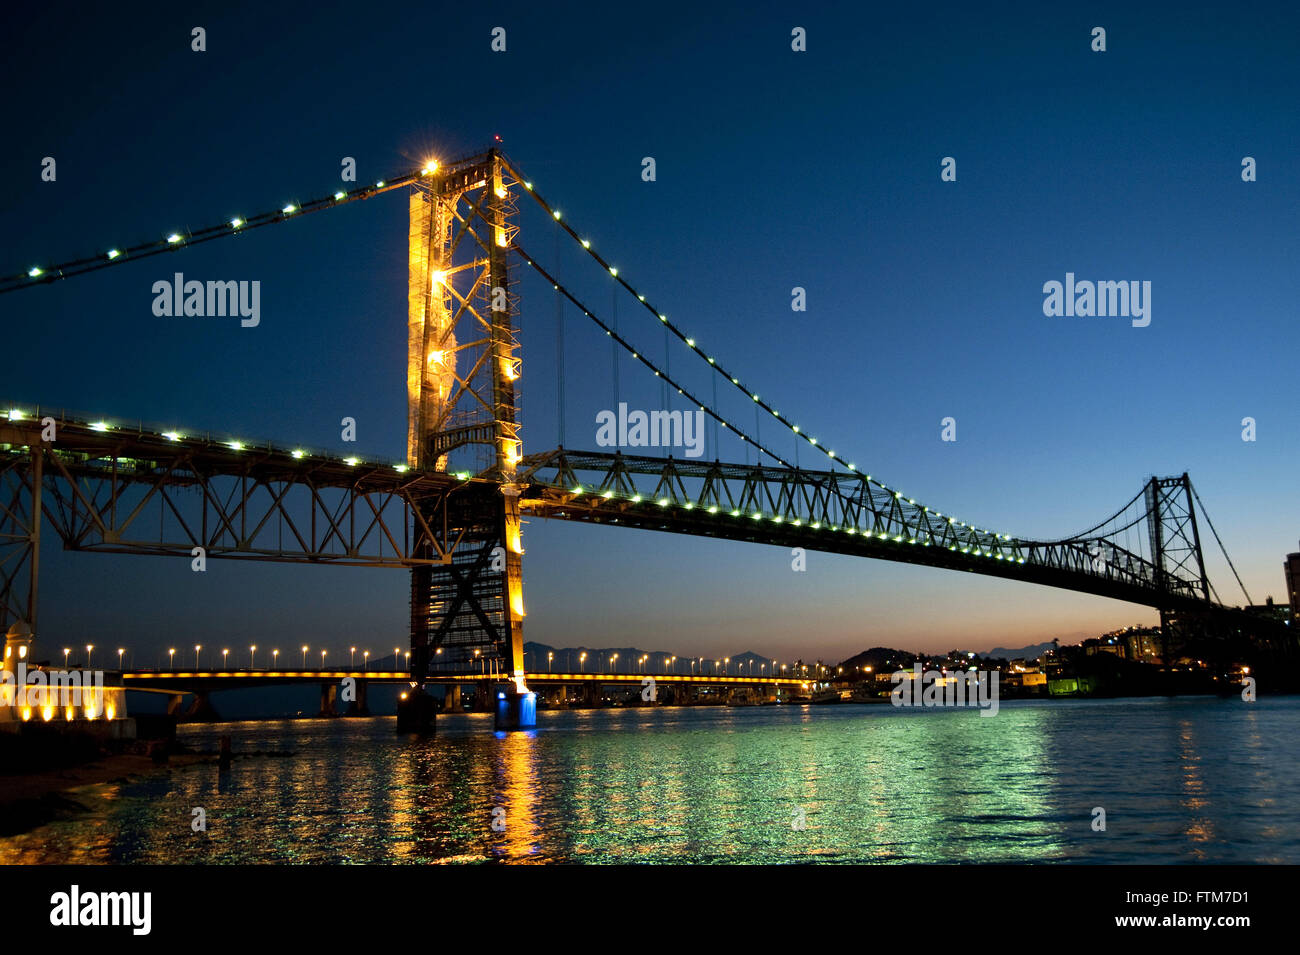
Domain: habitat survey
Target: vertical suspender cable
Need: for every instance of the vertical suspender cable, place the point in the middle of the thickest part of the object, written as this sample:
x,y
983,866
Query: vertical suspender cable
x,y
613,345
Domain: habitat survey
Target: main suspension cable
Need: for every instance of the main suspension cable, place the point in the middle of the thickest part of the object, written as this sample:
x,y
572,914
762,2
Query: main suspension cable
x,y
43,274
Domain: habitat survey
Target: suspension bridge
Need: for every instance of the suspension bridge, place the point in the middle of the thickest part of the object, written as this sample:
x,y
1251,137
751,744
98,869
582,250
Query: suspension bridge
x,y
450,512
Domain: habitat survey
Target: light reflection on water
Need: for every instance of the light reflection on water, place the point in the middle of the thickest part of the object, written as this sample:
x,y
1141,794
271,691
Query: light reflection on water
x,y
1187,780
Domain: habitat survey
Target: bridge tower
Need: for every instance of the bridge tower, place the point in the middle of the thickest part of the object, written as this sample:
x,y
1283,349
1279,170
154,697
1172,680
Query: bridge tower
x,y
1176,554
462,366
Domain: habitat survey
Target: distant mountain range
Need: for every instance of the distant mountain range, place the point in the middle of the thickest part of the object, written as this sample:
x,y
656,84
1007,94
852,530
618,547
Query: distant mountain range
x,y
891,658
1022,653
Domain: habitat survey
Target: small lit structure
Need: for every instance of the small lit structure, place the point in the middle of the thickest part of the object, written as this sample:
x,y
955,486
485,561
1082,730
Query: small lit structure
x,y
41,698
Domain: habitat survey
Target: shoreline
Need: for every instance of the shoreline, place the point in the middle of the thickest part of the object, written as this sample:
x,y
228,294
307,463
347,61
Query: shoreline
x,y
31,800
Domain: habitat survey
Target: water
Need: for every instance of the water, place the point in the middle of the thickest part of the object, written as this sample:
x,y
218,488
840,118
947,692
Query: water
x,y
1181,780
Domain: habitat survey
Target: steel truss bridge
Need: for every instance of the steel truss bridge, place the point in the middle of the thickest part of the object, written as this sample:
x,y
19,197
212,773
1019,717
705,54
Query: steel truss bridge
x,y
449,514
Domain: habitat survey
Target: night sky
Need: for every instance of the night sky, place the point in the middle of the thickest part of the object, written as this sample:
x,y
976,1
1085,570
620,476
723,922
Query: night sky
x,y
775,169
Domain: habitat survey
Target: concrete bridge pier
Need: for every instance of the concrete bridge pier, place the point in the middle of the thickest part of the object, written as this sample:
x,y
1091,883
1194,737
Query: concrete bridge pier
x,y
482,697
358,707
175,704
591,694
515,710
329,696
451,701
201,710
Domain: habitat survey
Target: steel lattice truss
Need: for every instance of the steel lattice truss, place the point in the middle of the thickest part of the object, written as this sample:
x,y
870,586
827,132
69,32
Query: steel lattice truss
x,y
834,512
130,490
19,537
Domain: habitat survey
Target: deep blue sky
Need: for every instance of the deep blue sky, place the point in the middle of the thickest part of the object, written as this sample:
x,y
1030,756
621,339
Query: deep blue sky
x,y
775,169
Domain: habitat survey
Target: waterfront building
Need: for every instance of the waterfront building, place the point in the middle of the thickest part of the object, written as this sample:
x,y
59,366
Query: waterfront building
x,y
1292,567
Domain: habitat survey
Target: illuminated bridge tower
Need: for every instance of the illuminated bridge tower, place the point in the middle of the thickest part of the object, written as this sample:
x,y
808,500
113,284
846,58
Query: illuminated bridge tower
x,y
462,365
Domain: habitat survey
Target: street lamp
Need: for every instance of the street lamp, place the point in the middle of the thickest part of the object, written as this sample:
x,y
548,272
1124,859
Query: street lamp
x,y
224,654
197,648
304,656
89,647
582,661
397,657
612,661
365,660
275,659
352,663
171,658
549,657
322,659
66,651
252,657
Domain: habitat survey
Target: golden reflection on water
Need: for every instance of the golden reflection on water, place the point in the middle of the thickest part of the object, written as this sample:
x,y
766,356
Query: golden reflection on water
x,y
1199,826
517,783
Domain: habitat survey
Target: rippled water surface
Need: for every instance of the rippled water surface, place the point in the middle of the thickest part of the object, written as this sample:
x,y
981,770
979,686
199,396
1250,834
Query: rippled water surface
x,y
1181,780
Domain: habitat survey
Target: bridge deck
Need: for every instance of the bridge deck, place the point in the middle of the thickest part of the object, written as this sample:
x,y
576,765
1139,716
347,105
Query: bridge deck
x,y
180,681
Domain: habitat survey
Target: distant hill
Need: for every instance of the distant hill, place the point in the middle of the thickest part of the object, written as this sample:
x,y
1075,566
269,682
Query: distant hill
x,y
1021,653
890,658
879,658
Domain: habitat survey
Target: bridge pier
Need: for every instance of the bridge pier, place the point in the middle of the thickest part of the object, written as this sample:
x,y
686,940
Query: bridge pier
x,y
358,706
451,701
175,704
516,711
329,695
201,710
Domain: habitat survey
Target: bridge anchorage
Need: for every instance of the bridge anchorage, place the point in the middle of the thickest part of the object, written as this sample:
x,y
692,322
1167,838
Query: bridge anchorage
x,y
450,513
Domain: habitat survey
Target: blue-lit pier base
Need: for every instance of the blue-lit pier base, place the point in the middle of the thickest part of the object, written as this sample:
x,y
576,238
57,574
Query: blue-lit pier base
x,y
516,711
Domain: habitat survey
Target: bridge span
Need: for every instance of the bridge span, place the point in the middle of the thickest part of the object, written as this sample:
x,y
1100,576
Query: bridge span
x,y
449,513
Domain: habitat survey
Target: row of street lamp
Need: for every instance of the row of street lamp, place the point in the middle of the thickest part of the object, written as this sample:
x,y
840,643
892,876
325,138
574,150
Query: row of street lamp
x,y
252,656
607,662
668,664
